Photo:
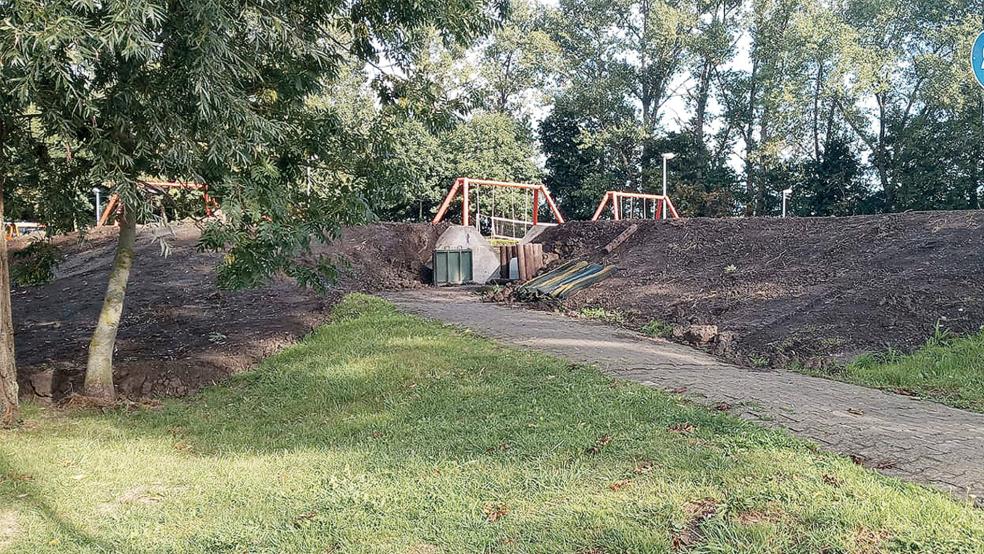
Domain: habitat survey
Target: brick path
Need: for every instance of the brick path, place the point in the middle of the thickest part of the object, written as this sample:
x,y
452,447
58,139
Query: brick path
x,y
918,440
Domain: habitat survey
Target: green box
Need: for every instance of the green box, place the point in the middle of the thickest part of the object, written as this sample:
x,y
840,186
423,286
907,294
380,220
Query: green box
x,y
452,267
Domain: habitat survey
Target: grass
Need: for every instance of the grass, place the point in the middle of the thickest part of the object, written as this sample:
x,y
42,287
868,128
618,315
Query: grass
x,y
657,328
614,317
385,433
947,369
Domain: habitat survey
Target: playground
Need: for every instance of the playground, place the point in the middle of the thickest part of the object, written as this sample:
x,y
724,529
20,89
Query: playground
x,y
814,292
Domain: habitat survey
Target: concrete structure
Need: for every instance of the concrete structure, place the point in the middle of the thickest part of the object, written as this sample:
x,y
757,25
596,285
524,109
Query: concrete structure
x,y
534,233
485,258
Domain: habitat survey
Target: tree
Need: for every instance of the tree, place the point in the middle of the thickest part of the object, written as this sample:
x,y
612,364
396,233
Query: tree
x,y
714,45
519,64
211,91
9,407
700,185
591,143
908,79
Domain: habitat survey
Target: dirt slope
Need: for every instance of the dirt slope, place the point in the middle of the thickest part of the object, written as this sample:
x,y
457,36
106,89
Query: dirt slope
x,y
179,331
811,290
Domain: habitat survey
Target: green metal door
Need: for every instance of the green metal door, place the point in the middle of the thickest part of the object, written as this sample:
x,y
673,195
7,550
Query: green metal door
x,y
452,267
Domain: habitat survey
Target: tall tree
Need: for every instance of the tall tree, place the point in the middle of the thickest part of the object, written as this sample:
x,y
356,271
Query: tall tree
x,y
714,45
519,63
907,69
9,406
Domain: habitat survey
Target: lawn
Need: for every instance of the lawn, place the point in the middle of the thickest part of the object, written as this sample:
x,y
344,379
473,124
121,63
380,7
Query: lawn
x,y
946,369
382,432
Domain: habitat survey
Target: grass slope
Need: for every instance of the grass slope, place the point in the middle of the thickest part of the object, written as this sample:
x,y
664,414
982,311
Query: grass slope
x,y
947,369
385,433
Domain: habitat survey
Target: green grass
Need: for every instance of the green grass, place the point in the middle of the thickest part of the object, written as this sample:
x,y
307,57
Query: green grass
x,y
614,317
947,369
385,433
657,328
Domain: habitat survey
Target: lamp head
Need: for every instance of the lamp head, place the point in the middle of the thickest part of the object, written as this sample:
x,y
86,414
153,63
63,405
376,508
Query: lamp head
x,y
669,156
787,192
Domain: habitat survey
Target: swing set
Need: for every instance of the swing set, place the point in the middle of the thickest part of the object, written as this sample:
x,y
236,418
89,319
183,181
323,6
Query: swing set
x,y
523,198
157,186
636,205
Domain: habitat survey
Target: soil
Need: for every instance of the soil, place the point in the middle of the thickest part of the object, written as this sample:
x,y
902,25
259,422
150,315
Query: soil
x,y
179,331
817,291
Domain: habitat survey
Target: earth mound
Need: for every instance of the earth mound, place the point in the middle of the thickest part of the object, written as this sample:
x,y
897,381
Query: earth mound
x,y
795,290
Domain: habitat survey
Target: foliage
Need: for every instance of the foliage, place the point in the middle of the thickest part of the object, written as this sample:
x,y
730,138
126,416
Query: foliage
x,y
601,314
658,328
214,92
438,439
853,119
519,64
590,145
35,264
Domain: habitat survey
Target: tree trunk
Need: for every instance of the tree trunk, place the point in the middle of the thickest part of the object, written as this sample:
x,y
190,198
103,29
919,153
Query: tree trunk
x,y
99,370
881,158
700,118
750,148
764,164
817,91
8,364
973,198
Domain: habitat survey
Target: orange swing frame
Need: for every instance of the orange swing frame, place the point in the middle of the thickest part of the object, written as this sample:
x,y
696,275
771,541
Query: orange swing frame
x,y
113,204
464,185
615,197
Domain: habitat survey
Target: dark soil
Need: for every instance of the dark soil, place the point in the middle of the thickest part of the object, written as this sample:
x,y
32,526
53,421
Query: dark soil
x,y
816,291
809,290
179,331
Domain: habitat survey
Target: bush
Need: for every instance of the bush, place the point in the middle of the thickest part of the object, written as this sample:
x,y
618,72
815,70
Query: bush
x,y
35,265
657,328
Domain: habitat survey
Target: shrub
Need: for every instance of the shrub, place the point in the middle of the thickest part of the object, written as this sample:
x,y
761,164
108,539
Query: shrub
x,y
35,265
657,328
601,314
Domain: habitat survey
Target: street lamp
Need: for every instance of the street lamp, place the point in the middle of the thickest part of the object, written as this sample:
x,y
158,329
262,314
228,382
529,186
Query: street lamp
x,y
98,202
785,196
666,157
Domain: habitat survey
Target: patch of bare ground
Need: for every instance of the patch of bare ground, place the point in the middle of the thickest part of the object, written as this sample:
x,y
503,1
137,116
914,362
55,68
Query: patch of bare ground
x,y
180,332
9,528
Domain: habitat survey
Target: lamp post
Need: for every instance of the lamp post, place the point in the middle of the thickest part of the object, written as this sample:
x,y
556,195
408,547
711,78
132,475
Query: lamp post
x,y
785,196
98,202
666,157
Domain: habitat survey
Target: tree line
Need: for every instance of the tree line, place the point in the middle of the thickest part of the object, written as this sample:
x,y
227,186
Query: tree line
x,y
859,106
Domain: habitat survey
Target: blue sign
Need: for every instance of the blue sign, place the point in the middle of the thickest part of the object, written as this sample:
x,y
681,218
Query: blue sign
x,y
977,58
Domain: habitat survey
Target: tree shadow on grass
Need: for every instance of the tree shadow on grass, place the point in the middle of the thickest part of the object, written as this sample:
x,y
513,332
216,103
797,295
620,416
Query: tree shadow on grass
x,y
27,497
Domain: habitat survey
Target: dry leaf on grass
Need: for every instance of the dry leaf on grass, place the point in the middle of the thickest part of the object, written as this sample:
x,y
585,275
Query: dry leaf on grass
x,y
495,512
698,512
619,485
682,428
599,444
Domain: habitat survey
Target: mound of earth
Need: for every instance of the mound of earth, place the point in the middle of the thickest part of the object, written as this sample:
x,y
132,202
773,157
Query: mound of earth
x,y
806,290
179,331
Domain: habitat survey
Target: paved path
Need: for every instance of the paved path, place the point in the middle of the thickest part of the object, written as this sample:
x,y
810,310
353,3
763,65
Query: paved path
x,y
918,440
